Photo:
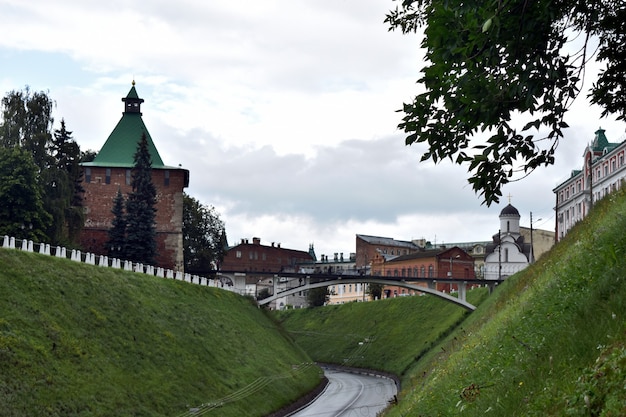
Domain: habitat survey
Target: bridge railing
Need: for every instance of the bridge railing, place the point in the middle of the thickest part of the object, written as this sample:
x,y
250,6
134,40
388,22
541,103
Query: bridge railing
x,y
10,242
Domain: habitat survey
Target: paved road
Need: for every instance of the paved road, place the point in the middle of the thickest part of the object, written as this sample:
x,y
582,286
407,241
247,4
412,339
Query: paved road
x,y
351,395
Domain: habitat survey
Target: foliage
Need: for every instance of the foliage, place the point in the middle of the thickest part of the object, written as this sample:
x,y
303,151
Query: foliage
x,y
116,244
600,390
63,195
27,124
375,291
81,340
204,236
500,77
263,293
22,214
141,209
317,297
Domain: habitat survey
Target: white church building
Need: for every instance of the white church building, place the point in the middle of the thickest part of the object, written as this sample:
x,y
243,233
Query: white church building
x,y
508,253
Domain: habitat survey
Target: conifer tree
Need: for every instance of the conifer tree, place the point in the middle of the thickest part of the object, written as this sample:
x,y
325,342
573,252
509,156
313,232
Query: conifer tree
x,y
116,245
63,196
141,209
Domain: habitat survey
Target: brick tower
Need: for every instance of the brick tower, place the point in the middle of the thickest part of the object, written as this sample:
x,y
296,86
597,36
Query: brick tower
x,y
111,170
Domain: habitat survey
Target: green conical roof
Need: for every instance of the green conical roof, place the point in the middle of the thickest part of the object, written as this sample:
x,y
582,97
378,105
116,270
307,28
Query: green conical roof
x,y
121,146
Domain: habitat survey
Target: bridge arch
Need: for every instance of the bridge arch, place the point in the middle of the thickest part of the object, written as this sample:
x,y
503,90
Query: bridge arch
x,y
458,301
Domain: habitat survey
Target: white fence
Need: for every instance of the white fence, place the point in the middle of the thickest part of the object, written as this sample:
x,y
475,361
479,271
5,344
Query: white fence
x,y
105,261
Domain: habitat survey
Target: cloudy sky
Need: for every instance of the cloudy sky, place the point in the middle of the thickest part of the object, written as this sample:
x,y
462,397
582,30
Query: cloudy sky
x,y
284,111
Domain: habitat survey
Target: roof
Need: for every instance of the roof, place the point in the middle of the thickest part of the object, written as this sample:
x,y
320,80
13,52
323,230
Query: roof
x,y
429,253
386,241
509,210
600,141
121,146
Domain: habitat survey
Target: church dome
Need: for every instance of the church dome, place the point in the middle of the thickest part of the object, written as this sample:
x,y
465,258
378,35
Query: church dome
x,y
509,211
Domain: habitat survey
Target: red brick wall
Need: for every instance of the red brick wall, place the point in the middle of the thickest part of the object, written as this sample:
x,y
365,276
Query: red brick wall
x,y
254,257
98,203
366,252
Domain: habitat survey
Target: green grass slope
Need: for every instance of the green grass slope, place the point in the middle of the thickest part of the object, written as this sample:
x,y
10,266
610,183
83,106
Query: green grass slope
x,y
551,341
386,335
79,340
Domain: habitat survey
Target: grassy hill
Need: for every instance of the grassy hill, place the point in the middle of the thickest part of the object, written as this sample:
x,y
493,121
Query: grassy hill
x,y
550,341
82,340
387,335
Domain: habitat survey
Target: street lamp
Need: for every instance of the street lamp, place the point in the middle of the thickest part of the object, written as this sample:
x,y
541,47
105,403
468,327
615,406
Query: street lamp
x,y
450,269
450,273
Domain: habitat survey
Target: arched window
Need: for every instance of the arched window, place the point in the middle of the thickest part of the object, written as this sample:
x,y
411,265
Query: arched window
x,y
431,271
423,272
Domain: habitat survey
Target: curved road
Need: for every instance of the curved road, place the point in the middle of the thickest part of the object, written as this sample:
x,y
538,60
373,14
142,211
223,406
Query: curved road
x,y
351,395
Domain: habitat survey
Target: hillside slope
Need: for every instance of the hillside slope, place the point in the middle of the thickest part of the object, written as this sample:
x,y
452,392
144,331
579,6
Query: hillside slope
x,y
551,341
82,340
386,335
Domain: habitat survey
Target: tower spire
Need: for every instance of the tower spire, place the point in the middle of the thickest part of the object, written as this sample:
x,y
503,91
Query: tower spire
x,y
132,102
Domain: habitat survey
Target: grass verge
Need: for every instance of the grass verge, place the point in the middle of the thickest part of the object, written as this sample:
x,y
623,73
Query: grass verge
x,y
82,340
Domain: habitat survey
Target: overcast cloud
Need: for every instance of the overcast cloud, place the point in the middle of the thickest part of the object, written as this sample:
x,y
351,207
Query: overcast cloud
x,y
284,111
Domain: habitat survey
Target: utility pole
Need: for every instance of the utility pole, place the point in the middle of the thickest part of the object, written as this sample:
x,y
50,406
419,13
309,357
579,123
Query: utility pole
x,y
499,254
532,247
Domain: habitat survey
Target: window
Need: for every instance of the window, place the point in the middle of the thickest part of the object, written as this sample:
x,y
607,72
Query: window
x,y
423,272
88,175
238,254
128,177
431,271
107,178
166,181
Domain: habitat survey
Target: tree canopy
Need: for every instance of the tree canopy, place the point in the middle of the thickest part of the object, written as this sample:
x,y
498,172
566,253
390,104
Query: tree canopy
x,y
26,124
204,236
501,75
22,213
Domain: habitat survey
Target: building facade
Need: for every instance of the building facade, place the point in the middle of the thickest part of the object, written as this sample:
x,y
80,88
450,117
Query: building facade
x,y
448,263
509,253
603,171
369,247
111,170
268,261
344,266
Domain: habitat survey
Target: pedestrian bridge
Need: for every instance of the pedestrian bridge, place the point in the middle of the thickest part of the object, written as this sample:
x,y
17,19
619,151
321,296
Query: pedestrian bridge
x,y
294,283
